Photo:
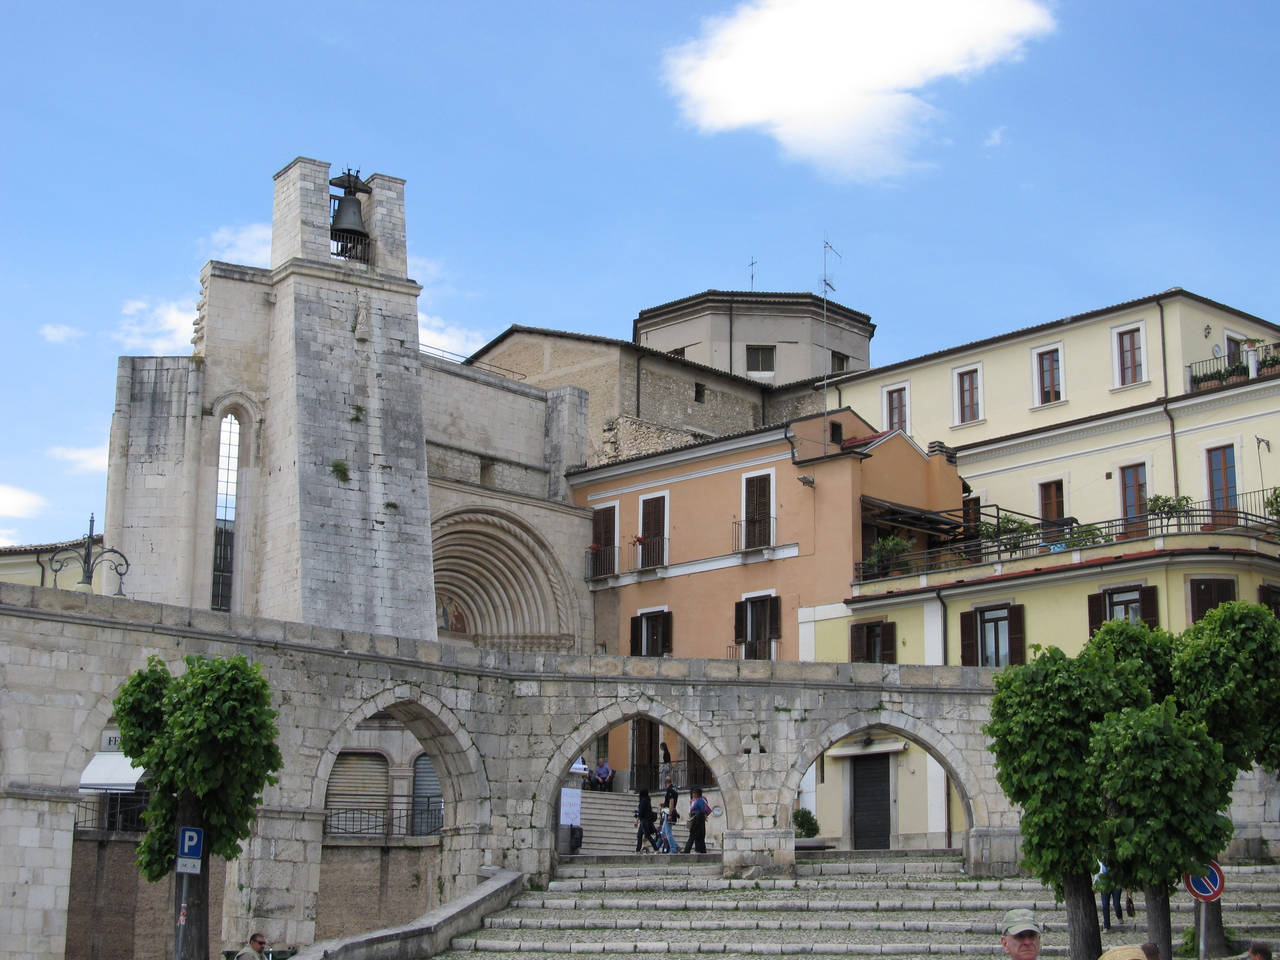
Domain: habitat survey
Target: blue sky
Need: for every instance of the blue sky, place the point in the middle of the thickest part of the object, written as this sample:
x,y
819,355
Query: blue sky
x,y
980,165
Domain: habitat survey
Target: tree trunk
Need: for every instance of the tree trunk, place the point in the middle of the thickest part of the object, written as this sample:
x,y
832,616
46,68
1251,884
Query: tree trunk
x,y
1159,930
191,891
1082,916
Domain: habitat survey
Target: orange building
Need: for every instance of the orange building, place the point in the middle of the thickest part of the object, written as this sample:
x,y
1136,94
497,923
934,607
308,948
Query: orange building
x,y
711,549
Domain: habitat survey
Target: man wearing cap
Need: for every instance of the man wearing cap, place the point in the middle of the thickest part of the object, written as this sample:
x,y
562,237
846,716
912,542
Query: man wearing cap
x,y
1020,935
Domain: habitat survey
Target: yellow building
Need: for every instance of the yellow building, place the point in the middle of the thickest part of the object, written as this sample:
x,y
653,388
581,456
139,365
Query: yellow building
x,y
1116,465
1173,394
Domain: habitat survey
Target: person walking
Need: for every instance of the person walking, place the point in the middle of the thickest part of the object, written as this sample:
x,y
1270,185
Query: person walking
x,y
699,810
644,822
1110,898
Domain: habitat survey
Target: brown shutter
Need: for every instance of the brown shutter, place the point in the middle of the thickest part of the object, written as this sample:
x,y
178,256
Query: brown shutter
x,y
1269,597
1097,611
968,639
602,528
775,618
1147,607
888,643
740,622
758,497
1017,633
667,643
637,635
651,520
857,643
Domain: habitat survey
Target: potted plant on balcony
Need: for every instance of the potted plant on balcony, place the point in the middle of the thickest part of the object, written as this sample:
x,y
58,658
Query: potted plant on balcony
x,y
1237,372
1083,535
885,553
1207,380
1010,532
1272,504
1269,364
1168,509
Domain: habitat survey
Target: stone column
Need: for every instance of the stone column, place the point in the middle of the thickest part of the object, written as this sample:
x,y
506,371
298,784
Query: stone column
x,y
35,870
274,883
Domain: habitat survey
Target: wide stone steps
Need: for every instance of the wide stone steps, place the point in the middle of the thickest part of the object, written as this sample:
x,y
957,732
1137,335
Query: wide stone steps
x,y
680,907
608,828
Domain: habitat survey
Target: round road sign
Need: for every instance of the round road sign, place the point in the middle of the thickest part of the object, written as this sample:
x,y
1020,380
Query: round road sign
x,y
1207,885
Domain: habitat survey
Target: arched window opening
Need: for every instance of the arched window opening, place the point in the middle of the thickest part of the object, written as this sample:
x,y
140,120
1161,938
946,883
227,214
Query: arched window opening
x,y
428,802
225,519
356,797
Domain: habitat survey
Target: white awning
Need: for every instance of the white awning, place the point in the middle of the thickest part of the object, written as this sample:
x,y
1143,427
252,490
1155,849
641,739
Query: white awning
x,y
112,772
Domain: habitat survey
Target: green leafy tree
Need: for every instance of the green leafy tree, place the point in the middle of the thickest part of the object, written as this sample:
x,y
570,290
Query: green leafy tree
x,y
207,739
1165,786
1042,720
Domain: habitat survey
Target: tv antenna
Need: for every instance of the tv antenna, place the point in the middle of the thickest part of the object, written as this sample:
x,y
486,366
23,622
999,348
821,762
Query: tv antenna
x,y
826,375
752,268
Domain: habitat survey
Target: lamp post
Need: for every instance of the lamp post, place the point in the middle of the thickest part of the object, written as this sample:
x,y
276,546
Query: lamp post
x,y
89,560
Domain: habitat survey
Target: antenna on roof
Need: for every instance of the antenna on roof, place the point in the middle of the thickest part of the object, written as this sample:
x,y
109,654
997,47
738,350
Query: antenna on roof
x,y
826,375
752,268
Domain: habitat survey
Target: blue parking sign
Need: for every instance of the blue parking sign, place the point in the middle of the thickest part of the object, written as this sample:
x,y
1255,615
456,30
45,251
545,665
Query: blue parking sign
x,y
191,842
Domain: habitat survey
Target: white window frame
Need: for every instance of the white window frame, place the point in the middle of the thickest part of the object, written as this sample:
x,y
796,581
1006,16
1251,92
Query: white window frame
x,y
642,613
1035,373
905,387
664,495
1237,445
955,395
1117,471
1116,330
773,644
773,501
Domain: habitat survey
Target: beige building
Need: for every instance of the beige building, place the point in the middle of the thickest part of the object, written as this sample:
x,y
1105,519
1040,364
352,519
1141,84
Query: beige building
x,y
771,338
710,550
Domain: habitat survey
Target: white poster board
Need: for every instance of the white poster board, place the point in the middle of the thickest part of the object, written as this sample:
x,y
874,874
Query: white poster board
x,y
570,807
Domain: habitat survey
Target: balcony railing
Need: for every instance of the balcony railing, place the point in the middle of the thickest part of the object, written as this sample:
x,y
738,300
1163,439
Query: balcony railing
x,y
402,817
112,811
601,561
754,533
1205,374
650,552
1243,512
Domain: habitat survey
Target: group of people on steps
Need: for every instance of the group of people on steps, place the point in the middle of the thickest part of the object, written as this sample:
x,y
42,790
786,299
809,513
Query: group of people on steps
x,y
655,828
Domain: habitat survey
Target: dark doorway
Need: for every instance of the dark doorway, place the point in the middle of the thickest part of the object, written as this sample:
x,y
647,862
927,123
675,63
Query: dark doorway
x,y
644,754
870,802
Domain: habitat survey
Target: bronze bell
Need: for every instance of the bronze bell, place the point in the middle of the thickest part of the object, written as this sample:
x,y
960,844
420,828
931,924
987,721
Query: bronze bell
x,y
347,216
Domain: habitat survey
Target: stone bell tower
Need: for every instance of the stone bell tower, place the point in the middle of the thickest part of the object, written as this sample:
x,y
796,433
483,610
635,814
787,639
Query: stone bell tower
x,y
314,508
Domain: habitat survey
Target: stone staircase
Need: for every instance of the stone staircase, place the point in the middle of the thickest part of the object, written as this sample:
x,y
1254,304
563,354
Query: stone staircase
x,y
891,905
608,828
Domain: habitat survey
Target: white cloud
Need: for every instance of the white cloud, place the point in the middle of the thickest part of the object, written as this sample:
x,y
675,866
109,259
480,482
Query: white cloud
x,y
426,271
995,138
82,459
839,84
60,333
249,245
8,537
16,502
162,327
434,333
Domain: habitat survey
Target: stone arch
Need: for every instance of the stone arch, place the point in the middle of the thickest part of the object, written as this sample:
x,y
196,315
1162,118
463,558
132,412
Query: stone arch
x,y
622,711
504,577
457,758
967,781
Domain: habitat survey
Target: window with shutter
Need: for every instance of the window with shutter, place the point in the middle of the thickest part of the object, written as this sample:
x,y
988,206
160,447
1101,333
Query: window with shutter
x,y
873,642
1269,597
604,552
357,794
653,532
757,622
651,634
1207,594
968,639
1136,604
758,508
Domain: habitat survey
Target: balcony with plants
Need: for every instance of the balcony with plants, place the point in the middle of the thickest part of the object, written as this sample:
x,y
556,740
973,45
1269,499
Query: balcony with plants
x,y
997,536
